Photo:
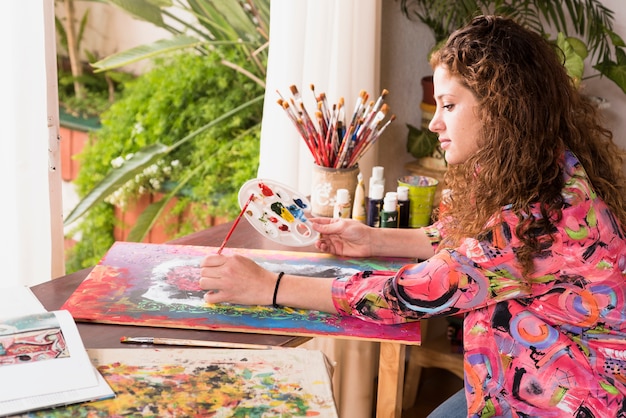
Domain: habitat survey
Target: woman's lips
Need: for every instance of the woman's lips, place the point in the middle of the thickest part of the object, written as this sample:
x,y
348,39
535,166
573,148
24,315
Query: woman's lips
x,y
445,143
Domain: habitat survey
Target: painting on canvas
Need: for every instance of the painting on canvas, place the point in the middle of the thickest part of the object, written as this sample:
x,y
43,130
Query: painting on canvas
x,y
157,285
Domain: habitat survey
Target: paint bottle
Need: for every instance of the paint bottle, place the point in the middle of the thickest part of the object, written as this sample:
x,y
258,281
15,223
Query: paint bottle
x,y
358,208
404,206
389,214
378,176
374,205
342,204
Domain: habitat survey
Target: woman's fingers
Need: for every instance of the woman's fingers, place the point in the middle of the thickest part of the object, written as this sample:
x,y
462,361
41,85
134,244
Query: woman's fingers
x,y
213,261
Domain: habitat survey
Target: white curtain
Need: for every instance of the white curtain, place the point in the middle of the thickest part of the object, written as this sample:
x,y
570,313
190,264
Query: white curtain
x,y
334,45
27,160
331,44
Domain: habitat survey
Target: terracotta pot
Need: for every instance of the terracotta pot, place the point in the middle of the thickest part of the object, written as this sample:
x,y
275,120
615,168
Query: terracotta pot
x,y
166,227
72,143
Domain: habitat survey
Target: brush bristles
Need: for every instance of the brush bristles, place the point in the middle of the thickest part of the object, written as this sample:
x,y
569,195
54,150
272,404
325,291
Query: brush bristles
x,y
333,142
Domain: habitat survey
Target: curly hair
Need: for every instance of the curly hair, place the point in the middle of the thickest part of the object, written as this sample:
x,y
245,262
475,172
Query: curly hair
x,y
531,112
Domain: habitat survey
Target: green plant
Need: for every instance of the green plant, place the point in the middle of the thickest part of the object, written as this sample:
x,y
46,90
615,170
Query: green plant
x,y
235,34
82,92
588,19
181,94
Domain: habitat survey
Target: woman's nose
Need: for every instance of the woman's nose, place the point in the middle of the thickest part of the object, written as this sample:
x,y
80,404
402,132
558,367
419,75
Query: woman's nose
x,y
435,124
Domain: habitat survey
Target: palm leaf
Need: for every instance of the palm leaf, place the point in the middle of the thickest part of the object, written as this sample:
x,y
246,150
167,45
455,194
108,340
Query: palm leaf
x,y
148,11
118,177
218,24
145,51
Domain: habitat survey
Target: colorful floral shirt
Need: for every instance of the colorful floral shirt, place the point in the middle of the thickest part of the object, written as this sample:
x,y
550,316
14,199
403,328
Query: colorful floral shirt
x,y
551,346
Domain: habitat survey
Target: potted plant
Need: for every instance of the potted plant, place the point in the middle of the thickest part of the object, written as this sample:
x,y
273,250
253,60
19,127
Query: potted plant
x,y
199,178
588,20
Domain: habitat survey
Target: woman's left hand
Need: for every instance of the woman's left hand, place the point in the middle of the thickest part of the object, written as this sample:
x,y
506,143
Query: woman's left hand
x,y
236,279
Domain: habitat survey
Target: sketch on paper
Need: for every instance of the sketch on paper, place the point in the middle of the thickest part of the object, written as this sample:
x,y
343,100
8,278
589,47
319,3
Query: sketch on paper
x,y
31,338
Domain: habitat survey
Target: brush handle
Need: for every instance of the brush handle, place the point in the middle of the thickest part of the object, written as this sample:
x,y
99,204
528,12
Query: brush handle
x,y
232,228
193,343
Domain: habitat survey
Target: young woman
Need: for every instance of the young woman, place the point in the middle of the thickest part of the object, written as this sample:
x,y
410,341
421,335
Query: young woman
x,y
531,246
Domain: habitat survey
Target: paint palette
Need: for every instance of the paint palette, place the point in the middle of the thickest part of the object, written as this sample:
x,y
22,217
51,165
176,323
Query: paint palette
x,y
278,212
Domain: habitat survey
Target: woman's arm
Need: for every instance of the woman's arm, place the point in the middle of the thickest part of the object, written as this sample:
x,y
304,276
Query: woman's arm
x,y
237,279
350,238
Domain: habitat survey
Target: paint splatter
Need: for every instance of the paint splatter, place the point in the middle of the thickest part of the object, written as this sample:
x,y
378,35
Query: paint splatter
x,y
217,383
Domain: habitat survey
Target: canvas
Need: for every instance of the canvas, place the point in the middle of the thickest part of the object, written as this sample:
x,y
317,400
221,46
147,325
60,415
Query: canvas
x,y
157,285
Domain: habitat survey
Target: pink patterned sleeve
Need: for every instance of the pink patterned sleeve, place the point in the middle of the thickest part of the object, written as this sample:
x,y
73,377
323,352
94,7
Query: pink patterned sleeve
x,y
434,234
451,281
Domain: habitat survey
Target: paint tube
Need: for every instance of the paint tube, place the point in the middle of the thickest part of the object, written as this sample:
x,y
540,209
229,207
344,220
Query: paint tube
x,y
358,208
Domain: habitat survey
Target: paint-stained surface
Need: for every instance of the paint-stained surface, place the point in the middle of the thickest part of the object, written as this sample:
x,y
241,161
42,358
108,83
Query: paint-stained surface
x,y
157,285
209,383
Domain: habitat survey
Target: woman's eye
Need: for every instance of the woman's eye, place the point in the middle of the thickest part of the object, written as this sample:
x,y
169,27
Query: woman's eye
x,y
448,106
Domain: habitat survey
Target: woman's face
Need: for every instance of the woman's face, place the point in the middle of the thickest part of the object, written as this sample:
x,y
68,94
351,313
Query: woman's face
x,y
455,120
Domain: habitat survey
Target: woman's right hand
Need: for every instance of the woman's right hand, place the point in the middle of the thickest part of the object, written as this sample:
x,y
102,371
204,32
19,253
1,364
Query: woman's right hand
x,y
343,237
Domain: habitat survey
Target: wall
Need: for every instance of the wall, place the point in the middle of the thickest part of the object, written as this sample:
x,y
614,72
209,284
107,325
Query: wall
x,y
404,51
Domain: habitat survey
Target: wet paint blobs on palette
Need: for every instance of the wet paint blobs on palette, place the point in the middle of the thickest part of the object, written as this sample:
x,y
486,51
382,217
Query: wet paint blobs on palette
x,y
278,212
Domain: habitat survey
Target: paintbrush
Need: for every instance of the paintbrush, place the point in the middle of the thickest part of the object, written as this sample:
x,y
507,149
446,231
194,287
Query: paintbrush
x,y
232,228
193,343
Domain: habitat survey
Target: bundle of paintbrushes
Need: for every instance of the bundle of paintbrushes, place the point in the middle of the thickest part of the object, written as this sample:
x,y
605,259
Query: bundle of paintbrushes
x,y
333,142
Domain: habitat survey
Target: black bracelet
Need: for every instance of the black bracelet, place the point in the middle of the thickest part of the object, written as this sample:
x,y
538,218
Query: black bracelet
x,y
280,276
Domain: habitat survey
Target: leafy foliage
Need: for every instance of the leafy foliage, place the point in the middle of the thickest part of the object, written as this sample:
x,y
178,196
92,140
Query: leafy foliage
x,y
179,95
586,18
234,35
421,142
208,26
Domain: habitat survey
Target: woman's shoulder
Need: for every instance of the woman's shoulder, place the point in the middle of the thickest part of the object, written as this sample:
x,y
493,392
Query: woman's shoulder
x,y
578,187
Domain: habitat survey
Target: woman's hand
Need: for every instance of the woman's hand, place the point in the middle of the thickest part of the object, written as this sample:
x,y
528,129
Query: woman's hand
x,y
343,237
351,238
236,279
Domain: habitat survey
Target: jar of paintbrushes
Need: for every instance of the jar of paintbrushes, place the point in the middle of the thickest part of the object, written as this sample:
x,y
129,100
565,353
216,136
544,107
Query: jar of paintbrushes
x,y
336,143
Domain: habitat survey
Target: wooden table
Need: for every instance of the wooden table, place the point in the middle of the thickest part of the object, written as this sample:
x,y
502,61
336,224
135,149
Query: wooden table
x,y
54,293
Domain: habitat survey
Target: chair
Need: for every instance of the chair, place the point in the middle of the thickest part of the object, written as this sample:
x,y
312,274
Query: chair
x,y
435,351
